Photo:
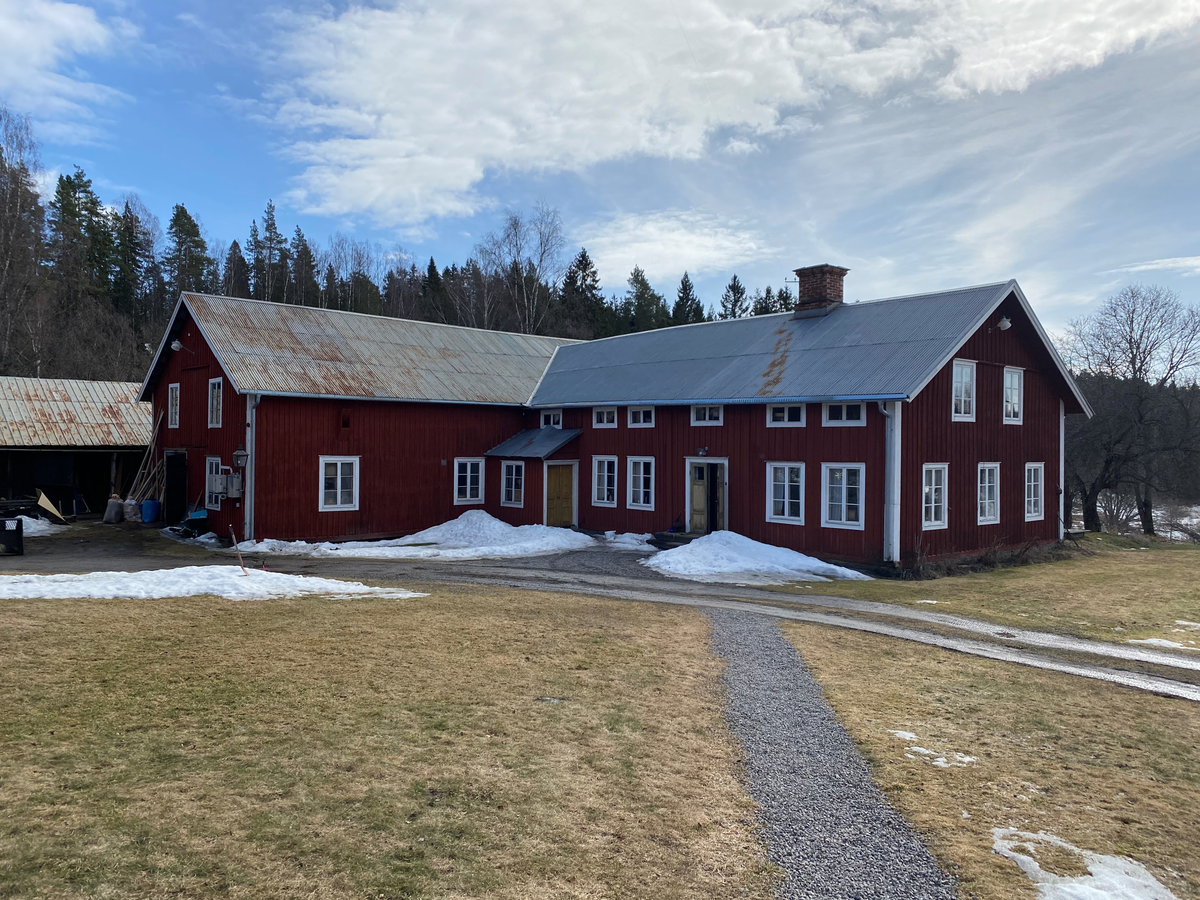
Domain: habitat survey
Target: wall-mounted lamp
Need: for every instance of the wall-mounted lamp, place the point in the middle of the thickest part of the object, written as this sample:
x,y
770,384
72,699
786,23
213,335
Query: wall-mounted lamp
x,y
1004,324
240,457
177,346
703,451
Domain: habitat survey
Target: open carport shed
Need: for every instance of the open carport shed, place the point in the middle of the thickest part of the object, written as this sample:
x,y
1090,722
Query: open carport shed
x,y
77,441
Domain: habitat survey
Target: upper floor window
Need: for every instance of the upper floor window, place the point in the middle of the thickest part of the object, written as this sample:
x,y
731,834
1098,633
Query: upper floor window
x,y
641,482
786,416
964,391
605,489
552,418
785,493
707,415
1034,477
1014,390
934,497
844,414
339,483
514,484
841,485
215,386
989,493
602,417
468,481
641,417
172,405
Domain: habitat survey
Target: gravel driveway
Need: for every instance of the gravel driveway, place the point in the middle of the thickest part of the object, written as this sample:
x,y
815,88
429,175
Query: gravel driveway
x,y
826,823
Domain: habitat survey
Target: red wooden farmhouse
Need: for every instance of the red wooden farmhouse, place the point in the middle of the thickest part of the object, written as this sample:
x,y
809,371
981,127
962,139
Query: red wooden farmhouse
x,y
924,426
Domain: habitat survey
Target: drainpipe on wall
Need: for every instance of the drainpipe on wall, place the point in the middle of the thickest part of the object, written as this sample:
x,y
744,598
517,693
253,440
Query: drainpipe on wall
x,y
248,491
891,480
1062,470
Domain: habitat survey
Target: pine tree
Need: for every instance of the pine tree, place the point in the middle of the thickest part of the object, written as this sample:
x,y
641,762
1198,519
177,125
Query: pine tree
x,y
581,310
258,271
236,279
131,256
187,262
687,308
733,300
435,302
305,290
273,249
784,301
648,308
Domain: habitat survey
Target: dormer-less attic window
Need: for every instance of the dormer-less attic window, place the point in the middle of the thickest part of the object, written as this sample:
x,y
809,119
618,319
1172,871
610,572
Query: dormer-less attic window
x,y
552,418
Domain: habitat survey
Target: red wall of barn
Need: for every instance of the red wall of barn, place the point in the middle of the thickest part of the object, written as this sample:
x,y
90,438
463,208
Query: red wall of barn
x,y
191,368
930,436
749,445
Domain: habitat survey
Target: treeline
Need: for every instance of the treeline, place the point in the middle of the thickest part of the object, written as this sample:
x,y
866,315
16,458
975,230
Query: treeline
x,y
85,285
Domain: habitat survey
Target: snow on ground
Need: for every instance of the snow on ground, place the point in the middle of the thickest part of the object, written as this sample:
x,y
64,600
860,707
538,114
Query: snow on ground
x,y
727,557
187,581
1161,642
39,527
1108,878
473,535
629,541
942,761
902,735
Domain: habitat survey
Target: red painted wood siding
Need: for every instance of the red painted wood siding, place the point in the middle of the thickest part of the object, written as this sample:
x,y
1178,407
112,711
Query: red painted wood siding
x,y
930,436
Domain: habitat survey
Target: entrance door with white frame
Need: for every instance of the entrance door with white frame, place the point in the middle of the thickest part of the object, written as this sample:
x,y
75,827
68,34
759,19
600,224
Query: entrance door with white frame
x,y
707,495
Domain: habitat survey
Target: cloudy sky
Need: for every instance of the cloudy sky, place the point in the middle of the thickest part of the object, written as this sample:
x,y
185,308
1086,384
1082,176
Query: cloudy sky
x,y
924,144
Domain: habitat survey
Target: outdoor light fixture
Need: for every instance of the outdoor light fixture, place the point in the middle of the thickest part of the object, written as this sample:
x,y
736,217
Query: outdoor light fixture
x,y
1004,324
703,451
176,346
240,457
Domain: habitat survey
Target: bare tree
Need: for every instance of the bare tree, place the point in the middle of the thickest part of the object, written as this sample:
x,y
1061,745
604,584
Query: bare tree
x,y
527,253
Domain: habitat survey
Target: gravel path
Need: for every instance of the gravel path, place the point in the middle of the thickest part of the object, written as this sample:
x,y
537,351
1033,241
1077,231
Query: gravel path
x,y
827,825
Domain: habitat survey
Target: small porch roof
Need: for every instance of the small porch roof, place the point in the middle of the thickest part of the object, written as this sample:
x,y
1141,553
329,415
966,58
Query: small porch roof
x,y
536,443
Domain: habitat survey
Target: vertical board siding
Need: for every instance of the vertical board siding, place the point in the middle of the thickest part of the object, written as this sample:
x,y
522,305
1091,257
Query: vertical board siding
x,y
930,436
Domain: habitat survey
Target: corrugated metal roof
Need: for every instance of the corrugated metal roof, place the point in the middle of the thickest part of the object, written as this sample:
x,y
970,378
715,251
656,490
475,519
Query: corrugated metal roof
x,y
885,349
56,412
536,443
272,348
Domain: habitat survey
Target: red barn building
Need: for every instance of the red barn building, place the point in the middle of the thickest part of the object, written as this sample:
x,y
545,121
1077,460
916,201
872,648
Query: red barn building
x,y
915,427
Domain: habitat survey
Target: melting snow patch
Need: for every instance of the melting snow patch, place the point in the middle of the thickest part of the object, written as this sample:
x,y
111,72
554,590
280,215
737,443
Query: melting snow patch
x,y
187,581
629,541
1108,878
473,535
727,557
903,735
927,601
31,527
1160,642
1188,626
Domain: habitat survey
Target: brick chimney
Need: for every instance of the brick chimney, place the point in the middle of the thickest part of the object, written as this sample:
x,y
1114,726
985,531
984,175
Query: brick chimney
x,y
818,290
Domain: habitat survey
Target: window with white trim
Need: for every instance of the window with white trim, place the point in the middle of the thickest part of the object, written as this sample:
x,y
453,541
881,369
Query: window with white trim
x,y
641,482
641,417
789,415
785,492
843,414
603,417
841,489
604,481
933,497
468,481
172,405
707,415
552,418
1035,476
213,486
513,485
1014,391
963,409
215,387
989,493
339,483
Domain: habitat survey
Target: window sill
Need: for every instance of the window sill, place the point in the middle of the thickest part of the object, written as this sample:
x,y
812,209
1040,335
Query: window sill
x,y
857,526
458,502
780,520
934,526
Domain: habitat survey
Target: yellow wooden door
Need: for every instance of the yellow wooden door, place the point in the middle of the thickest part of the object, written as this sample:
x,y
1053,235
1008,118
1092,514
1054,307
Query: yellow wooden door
x,y
560,496
699,523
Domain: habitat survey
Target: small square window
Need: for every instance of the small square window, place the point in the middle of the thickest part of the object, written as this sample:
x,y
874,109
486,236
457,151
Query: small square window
x,y
790,415
603,417
468,481
707,415
339,483
785,493
844,414
552,418
641,417
604,486
513,490
173,406
215,387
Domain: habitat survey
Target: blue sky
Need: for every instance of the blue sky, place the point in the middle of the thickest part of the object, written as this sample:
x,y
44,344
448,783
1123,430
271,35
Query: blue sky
x,y
924,144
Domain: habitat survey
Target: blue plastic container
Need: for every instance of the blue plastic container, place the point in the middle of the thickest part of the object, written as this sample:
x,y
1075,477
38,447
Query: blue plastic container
x,y
151,510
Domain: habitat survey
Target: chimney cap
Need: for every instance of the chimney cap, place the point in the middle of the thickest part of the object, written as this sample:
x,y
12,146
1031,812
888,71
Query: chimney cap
x,y
821,269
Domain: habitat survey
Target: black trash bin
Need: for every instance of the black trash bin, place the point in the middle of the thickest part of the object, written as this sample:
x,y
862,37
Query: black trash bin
x,y
12,537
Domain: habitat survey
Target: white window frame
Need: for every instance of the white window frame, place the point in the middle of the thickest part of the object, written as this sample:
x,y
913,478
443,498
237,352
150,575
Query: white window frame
x,y
843,422
707,422
173,405
642,410
482,470
504,487
803,407
826,468
212,466
551,414
631,486
616,487
771,515
603,412
220,383
322,506
965,365
1040,468
1020,416
928,469
979,499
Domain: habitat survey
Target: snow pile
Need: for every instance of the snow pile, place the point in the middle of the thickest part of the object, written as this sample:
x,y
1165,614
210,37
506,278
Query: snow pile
x,y
1108,878
473,535
187,581
629,541
727,557
39,527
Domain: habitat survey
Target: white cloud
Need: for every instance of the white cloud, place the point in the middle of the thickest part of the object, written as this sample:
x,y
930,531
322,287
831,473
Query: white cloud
x,y
1184,265
401,110
667,244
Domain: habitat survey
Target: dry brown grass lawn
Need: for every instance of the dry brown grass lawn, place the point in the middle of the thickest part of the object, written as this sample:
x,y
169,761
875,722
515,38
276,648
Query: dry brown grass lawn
x,y
367,748
1141,592
1106,768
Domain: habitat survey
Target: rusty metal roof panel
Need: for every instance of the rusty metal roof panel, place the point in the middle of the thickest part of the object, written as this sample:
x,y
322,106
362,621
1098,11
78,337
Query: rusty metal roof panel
x,y
273,348
56,412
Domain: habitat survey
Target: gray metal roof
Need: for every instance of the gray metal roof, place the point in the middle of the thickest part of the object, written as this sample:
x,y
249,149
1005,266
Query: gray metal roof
x,y
881,350
536,443
57,412
273,348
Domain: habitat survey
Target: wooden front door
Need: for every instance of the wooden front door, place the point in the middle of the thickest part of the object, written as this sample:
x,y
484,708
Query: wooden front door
x,y
707,484
699,488
560,496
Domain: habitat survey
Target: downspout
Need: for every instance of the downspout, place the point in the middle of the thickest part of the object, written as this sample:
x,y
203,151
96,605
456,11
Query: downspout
x,y
1062,470
252,401
891,480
